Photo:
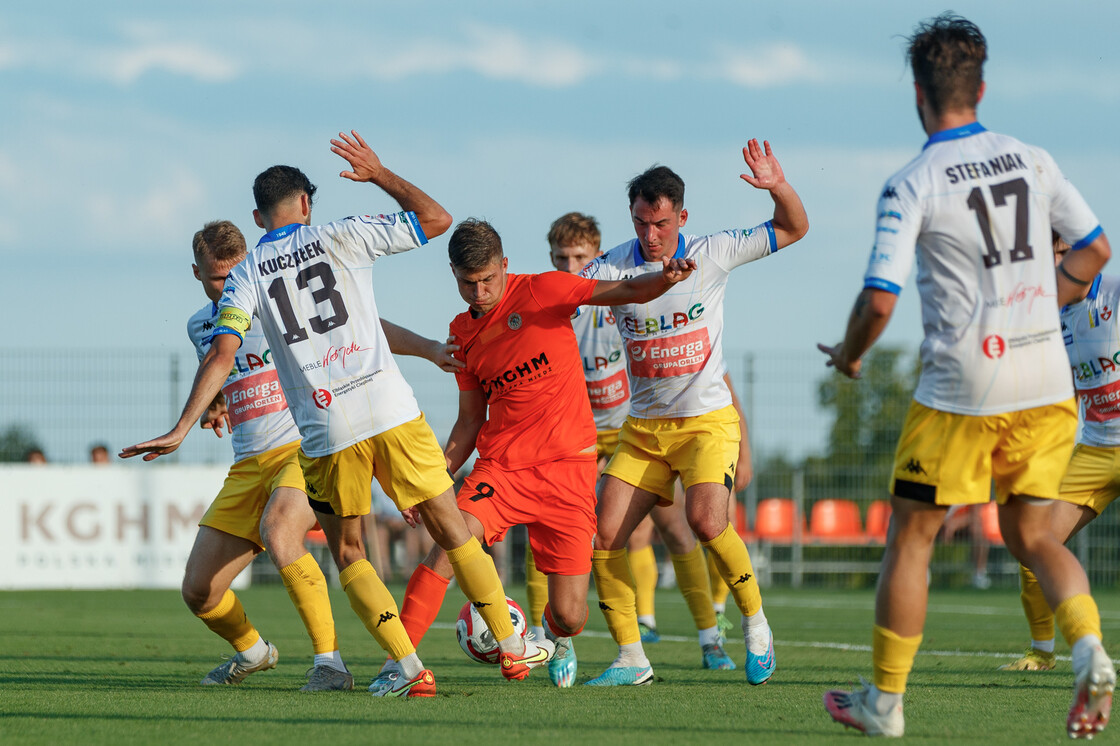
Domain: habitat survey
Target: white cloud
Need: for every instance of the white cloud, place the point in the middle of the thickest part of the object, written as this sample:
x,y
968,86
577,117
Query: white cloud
x,y
127,64
498,53
768,66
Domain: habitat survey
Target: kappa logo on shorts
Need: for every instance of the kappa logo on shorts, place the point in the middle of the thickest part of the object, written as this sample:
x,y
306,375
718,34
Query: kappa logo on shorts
x,y
914,466
514,321
322,398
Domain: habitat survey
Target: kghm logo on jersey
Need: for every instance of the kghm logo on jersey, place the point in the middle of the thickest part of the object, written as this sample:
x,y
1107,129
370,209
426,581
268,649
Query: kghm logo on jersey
x,y
994,346
322,398
514,321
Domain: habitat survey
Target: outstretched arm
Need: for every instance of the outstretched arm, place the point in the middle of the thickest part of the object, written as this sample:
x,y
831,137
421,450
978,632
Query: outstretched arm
x,y
464,434
790,221
406,342
870,314
366,166
212,373
643,288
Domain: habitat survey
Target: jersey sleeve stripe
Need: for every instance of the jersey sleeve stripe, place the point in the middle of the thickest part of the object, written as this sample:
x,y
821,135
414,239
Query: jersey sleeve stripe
x,y
771,236
415,223
224,330
880,284
1093,235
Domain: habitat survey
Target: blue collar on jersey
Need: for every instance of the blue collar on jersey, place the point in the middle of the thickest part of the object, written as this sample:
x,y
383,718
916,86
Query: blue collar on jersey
x,y
639,260
956,133
1093,290
279,233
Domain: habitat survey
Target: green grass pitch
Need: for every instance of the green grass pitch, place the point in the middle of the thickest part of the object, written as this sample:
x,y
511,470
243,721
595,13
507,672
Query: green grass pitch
x,y
111,667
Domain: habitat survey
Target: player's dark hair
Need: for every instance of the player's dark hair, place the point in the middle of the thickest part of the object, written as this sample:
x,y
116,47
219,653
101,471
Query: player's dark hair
x,y
474,245
276,184
657,182
574,229
947,55
219,241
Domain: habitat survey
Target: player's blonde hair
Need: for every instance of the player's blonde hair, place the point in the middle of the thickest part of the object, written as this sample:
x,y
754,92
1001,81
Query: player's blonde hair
x,y
219,241
574,229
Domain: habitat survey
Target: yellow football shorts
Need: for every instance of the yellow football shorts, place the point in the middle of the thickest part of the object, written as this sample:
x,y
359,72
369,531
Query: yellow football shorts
x,y
606,441
250,483
951,459
406,460
1092,478
652,453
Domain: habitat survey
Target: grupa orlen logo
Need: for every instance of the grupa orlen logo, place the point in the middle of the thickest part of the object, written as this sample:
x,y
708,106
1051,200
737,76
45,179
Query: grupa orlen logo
x,y
322,398
994,346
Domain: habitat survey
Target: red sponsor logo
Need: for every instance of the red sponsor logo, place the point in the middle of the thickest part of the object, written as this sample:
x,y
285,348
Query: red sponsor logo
x,y
254,396
678,355
1102,403
610,392
322,398
994,346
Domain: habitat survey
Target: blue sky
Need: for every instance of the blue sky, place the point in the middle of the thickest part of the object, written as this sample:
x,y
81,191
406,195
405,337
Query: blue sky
x,y
125,126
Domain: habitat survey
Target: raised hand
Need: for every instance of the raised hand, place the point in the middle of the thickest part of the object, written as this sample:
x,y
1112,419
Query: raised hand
x,y
766,172
364,163
153,449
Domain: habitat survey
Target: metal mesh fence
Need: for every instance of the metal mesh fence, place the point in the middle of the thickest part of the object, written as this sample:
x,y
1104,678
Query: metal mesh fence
x,y
816,439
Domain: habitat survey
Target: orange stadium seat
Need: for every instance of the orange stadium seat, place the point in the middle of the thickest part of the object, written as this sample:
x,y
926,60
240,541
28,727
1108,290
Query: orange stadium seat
x,y
878,521
836,522
315,537
774,519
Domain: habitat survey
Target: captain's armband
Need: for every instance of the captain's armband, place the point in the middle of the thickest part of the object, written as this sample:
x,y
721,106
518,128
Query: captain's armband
x,y
233,321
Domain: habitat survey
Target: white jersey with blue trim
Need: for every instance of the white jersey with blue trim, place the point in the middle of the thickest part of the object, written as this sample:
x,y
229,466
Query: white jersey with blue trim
x,y
674,343
604,366
976,209
311,288
1092,337
255,403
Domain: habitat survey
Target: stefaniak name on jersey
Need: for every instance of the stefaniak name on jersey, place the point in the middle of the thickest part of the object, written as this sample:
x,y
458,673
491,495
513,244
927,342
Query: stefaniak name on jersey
x,y
978,170
303,254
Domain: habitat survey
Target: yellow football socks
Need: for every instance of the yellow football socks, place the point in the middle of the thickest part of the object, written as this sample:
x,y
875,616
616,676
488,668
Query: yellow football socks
x,y
615,585
375,606
1078,616
536,588
228,621
307,588
1039,616
692,580
480,583
734,563
892,657
643,566
718,586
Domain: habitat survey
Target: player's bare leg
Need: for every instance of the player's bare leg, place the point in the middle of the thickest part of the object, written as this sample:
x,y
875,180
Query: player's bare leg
x,y
1066,520
621,507
286,520
564,618
215,560
1025,524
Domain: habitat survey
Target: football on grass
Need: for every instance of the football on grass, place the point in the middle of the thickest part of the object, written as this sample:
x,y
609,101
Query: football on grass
x,y
475,637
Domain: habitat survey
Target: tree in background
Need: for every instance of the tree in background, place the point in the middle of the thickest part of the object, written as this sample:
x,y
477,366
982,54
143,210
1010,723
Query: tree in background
x,y
15,442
